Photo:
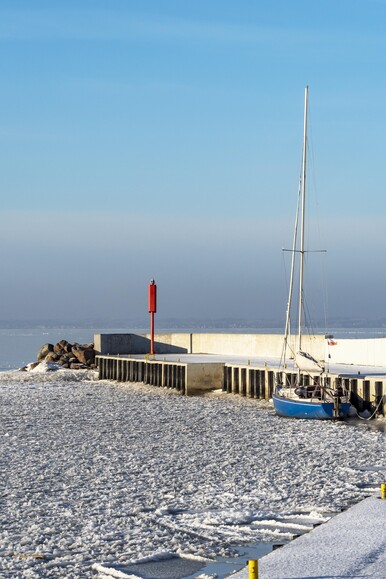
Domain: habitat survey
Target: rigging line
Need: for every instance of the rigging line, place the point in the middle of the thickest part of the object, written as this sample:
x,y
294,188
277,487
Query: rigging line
x,y
307,317
325,292
285,341
293,264
318,321
284,267
318,221
310,326
291,281
310,145
286,281
309,321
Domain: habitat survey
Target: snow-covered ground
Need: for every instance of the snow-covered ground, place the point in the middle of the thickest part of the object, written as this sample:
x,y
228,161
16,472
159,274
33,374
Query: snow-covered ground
x,y
259,361
99,472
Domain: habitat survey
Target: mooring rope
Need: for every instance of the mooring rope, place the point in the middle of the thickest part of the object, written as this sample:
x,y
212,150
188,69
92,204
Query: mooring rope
x,y
373,414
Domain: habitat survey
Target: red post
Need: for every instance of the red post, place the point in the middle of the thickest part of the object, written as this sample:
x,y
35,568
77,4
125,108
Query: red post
x,y
152,310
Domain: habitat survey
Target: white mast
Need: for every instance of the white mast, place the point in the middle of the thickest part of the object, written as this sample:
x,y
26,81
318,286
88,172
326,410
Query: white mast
x,y
291,284
301,268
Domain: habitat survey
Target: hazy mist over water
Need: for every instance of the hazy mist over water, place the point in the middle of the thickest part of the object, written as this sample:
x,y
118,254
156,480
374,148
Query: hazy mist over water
x,y
99,268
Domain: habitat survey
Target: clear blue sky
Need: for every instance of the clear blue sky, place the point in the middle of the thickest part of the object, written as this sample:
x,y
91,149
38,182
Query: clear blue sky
x,y
162,139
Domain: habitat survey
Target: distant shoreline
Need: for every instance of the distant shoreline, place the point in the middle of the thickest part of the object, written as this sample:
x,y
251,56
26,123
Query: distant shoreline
x,y
168,325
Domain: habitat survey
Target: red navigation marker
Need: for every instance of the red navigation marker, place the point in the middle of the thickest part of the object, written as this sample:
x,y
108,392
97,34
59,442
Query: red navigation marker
x,y
152,310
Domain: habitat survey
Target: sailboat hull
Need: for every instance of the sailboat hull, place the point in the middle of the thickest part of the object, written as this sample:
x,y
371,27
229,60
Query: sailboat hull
x,y
305,409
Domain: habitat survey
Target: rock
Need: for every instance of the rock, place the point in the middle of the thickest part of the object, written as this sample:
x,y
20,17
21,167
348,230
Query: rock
x,y
60,352
63,347
85,356
51,357
63,354
77,366
31,366
44,350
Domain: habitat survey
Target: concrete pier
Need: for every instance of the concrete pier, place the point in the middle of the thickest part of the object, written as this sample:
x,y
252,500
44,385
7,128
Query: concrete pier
x,y
249,366
193,374
351,544
189,378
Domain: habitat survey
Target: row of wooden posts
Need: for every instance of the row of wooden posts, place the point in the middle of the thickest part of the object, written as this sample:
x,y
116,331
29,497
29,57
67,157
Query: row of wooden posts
x,y
246,380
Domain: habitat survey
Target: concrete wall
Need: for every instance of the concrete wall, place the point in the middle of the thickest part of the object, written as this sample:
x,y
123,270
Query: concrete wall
x,y
112,343
269,345
140,344
365,352
171,343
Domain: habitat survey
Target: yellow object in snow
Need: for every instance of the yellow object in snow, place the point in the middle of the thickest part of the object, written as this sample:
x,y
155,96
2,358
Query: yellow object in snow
x,y
253,569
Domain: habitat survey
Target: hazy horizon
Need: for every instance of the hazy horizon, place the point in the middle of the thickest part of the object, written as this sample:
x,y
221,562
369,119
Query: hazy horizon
x,y
186,323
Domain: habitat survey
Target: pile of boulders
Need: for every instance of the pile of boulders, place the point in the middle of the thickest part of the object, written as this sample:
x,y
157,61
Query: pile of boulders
x,y
73,356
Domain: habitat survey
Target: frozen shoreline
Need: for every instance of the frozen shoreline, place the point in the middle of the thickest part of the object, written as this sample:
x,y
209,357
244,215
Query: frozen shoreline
x,y
98,472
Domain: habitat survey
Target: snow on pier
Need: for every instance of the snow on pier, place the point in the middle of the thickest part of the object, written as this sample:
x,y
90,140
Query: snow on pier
x,y
352,544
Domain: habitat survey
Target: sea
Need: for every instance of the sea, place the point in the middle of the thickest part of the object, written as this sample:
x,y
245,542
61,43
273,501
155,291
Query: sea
x,y
20,346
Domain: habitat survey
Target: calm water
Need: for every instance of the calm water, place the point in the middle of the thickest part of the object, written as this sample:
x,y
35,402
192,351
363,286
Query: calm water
x,y
19,347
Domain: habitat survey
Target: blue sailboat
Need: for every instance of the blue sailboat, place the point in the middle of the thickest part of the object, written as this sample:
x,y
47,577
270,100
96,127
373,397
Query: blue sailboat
x,y
318,400
330,407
